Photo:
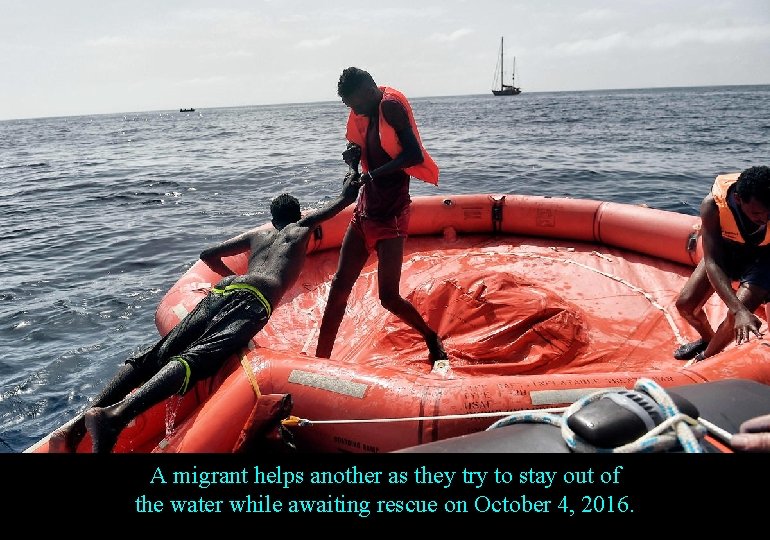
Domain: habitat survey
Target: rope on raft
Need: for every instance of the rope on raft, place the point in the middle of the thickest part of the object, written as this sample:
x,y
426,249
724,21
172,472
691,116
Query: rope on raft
x,y
676,431
680,339
301,422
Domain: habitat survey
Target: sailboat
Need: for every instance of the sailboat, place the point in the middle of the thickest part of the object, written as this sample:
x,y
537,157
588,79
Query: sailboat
x,y
505,89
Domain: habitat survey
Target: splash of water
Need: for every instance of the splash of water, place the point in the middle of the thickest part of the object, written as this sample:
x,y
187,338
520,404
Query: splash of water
x,y
172,407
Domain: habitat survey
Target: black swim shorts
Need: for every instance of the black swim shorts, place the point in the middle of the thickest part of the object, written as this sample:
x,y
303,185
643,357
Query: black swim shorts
x,y
220,325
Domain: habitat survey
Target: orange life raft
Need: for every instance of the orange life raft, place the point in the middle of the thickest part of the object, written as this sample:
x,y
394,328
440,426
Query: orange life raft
x,y
538,301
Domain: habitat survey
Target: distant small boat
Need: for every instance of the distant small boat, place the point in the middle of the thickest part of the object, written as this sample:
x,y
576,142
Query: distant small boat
x,y
505,89
187,110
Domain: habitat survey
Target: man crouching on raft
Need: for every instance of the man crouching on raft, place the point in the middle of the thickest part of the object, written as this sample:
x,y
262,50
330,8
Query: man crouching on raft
x,y
220,325
736,247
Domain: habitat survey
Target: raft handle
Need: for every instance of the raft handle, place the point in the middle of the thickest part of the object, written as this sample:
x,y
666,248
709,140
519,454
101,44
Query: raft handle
x,y
497,214
692,241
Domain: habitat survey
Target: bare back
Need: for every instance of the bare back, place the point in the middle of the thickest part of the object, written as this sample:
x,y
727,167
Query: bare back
x,y
276,257
276,260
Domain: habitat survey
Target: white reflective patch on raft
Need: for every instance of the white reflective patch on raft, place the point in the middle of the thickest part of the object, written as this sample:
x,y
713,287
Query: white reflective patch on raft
x,y
558,397
180,311
324,382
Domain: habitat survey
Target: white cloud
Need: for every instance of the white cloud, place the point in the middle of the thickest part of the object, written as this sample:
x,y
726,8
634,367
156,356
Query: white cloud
x,y
239,54
591,46
202,81
664,37
670,37
316,43
454,36
117,42
596,15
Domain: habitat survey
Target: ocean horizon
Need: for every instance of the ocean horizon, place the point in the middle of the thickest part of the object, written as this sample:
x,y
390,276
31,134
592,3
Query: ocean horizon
x,y
290,103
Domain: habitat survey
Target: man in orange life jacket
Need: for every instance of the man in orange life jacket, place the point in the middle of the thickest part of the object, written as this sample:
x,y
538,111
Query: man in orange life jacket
x,y
382,124
736,247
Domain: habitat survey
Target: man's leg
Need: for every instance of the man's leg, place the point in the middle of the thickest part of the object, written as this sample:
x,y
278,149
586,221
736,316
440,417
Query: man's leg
x,y
353,257
390,255
231,321
132,375
67,438
690,304
751,297
105,423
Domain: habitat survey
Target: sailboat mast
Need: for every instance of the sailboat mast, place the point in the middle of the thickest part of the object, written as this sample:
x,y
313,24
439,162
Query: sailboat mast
x,y
502,80
505,89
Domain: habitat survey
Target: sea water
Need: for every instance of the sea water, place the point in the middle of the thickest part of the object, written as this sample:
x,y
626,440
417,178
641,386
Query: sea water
x,y
100,215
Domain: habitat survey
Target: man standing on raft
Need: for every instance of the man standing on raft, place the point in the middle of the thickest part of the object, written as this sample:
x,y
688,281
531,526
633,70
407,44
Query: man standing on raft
x,y
382,126
736,247
221,324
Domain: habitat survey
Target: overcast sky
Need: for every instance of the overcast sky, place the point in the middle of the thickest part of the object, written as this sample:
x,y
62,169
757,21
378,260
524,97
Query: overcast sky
x,y
72,57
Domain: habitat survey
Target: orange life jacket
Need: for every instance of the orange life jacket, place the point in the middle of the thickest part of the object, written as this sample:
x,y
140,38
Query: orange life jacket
x,y
729,226
356,133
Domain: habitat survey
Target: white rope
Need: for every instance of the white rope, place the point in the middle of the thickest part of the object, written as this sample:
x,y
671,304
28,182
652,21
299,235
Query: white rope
x,y
306,422
676,431
680,339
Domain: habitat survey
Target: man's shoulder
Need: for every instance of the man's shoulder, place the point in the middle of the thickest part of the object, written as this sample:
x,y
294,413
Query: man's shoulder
x,y
395,112
298,229
708,202
261,234
709,211
392,103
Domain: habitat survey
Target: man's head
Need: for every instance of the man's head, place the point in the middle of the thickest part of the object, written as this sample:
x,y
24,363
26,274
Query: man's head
x,y
753,193
358,91
285,209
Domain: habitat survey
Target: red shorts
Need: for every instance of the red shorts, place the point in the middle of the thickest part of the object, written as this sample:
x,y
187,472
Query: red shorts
x,y
372,230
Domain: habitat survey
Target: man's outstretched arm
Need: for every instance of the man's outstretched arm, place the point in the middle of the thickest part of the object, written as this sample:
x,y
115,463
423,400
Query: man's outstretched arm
x,y
349,192
213,255
228,247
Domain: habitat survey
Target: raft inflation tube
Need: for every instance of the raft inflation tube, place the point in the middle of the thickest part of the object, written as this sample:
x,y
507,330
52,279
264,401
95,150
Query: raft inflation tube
x,y
538,301
615,419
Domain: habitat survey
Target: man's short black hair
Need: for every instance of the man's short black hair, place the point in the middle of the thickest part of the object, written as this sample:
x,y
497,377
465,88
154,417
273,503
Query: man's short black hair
x,y
351,79
285,209
754,183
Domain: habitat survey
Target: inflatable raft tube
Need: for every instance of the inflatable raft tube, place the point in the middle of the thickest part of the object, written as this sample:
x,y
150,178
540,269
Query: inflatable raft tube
x,y
538,300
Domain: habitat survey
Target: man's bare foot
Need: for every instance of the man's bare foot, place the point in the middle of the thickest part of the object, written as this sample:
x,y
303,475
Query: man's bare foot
x,y
65,440
102,430
436,349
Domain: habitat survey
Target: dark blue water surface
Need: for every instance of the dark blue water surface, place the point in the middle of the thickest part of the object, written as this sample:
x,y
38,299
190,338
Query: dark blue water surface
x,y
100,215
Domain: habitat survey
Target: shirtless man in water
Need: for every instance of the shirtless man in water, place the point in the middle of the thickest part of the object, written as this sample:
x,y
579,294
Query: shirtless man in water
x,y
221,324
